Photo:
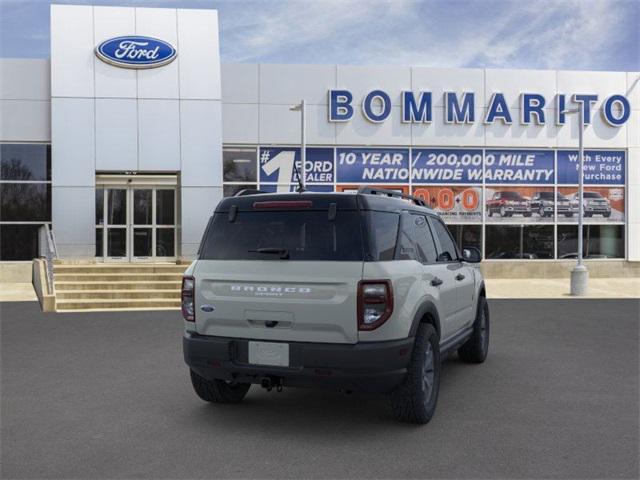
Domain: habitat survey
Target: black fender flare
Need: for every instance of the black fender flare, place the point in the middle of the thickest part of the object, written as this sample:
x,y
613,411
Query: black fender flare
x,y
482,291
427,308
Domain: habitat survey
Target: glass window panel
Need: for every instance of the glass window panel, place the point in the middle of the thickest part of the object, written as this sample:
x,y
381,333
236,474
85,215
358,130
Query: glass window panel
x,y
448,250
165,207
380,234
416,241
519,241
99,242
466,235
117,207
25,162
165,242
18,242
239,164
116,242
25,202
142,206
601,204
142,242
231,190
599,241
99,206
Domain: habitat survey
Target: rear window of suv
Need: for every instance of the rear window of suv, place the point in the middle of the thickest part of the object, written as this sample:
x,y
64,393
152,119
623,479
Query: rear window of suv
x,y
275,235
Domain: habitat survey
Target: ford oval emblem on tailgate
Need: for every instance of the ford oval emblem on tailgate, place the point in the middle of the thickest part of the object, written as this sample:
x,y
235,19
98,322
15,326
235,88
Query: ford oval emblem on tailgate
x,y
207,308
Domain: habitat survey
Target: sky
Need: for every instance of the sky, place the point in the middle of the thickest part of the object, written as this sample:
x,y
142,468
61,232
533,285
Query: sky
x,y
535,34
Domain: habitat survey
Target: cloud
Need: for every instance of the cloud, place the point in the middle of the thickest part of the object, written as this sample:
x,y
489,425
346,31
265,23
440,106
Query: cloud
x,y
570,34
546,34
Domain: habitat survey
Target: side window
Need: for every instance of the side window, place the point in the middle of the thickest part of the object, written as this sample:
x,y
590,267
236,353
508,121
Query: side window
x,y
381,231
424,240
406,246
448,252
416,241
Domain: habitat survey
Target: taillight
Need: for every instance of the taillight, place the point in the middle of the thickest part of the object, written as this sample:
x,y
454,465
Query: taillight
x,y
375,303
188,295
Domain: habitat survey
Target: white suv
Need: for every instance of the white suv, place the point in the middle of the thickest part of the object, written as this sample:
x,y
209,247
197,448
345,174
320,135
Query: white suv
x,y
358,291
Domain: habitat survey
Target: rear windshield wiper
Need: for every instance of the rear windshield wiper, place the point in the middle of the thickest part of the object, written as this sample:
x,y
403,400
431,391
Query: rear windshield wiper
x,y
283,252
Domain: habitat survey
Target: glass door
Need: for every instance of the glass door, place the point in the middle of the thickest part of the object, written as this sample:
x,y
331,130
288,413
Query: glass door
x,y
136,223
115,227
142,223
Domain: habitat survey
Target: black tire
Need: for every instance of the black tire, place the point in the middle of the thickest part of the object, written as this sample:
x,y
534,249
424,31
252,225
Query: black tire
x,y
218,391
414,401
527,214
476,348
606,214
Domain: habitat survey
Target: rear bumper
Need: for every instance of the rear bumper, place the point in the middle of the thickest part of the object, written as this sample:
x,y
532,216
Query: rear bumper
x,y
366,367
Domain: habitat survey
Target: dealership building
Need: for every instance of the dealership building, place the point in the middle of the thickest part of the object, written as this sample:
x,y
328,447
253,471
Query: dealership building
x,y
126,161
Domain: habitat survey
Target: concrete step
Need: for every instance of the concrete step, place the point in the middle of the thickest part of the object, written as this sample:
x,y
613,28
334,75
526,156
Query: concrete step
x,y
117,277
63,286
121,286
117,294
127,268
107,303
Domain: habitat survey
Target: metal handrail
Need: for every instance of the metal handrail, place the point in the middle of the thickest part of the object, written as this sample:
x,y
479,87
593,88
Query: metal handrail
x,y
50,251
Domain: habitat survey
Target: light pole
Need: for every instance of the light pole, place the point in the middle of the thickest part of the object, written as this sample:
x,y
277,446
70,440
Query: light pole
x,y
303,140
580,274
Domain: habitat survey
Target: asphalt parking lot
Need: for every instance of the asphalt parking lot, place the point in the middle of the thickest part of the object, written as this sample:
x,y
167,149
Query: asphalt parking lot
x,y
106,395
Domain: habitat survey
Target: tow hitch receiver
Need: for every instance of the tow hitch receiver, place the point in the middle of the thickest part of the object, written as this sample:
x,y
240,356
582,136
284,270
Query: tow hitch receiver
x,y
269,383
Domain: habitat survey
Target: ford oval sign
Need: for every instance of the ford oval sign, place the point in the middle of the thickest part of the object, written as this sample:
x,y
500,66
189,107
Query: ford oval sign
x,y
135,51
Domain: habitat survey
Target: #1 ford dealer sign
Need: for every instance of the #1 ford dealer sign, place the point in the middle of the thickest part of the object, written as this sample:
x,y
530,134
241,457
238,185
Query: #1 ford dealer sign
x,y
135,51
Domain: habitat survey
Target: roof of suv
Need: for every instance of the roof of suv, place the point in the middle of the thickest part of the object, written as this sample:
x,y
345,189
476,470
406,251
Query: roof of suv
x,y
321,201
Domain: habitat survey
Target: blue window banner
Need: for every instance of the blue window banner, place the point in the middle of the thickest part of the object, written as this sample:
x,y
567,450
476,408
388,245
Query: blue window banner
x,y
446,166
601,167
277,165
372,165
525,167
310,187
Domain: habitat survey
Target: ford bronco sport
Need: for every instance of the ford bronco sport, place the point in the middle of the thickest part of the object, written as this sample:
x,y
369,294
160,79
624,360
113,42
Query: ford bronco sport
x,y
362,291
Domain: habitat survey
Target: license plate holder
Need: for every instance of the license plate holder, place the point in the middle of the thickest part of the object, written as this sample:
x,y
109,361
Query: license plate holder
x,y
269,353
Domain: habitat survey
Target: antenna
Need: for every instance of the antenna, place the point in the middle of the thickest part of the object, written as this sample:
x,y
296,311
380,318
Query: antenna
x,y
300,188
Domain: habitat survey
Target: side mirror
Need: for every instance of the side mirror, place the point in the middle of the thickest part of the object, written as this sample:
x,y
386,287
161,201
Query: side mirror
x,y
471,255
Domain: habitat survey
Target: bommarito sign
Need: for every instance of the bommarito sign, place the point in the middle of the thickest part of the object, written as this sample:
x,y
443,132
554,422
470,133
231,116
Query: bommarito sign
x,y
460,108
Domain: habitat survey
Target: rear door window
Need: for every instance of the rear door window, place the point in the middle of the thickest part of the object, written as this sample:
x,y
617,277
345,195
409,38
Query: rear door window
x,y
416,241
447,251
275,235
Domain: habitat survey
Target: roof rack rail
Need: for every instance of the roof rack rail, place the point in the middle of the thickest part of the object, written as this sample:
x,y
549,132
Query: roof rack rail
x,y
391,193
248,191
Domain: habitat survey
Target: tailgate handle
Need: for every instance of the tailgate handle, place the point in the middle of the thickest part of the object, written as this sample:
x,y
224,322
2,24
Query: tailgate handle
x,y
270,323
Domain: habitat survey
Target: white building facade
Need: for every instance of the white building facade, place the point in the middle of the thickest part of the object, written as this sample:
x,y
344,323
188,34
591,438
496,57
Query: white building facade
x,y
127,164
